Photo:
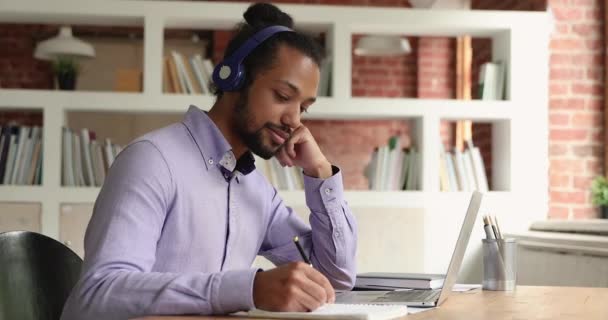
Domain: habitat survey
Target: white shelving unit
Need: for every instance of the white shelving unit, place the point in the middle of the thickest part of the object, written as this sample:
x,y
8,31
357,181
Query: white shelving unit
x,y
520,133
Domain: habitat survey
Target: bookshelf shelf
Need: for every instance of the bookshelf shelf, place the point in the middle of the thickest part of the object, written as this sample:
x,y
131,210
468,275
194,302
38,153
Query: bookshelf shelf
x,y
376,199
324,108
519,124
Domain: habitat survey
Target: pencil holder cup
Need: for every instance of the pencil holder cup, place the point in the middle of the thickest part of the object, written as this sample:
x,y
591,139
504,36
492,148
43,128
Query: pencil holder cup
x,y
499,264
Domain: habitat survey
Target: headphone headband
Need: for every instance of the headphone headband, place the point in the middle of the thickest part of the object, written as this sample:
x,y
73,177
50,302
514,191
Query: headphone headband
x,y
229,74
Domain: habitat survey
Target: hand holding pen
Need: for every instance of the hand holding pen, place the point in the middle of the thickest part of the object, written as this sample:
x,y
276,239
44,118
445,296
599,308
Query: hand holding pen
x,y
294,286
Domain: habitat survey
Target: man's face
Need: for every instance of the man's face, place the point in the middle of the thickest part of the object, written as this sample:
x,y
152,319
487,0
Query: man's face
x,y
267,113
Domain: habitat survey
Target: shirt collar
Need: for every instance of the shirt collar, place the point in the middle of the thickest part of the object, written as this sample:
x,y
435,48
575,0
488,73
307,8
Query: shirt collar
x,y
212,144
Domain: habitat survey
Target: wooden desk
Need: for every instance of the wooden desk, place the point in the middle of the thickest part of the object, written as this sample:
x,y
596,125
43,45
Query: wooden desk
x,y
523,304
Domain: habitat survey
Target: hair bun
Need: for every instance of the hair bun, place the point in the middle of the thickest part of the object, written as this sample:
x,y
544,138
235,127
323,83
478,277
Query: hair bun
x,y
261,15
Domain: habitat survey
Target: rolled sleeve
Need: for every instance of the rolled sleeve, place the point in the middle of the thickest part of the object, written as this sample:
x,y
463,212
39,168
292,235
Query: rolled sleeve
x,y
324,195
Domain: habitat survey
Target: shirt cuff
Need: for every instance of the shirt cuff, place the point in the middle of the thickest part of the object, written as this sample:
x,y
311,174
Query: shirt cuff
x,y
234,291
324,195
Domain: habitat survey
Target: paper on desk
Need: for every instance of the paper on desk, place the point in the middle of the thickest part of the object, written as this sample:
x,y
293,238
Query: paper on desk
x,y
465,287
413,310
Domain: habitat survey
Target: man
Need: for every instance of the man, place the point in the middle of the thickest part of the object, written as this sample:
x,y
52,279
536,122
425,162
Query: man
x,y
183,212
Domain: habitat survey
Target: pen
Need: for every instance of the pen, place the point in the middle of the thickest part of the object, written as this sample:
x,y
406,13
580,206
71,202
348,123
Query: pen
x,y
497,228
295,240
488,229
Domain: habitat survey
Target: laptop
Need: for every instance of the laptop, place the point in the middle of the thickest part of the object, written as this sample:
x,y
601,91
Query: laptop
x,y
422,297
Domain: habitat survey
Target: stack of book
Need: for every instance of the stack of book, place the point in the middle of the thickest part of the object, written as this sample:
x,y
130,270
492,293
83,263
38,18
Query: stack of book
x,y
462,170
20,155
282,178
85,160
187,75
393,167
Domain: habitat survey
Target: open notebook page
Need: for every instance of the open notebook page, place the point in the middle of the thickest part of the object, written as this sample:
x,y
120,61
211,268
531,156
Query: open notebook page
x,y
337,311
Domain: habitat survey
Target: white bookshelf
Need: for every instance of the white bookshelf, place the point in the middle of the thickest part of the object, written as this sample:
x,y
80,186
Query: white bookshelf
x,y
519,130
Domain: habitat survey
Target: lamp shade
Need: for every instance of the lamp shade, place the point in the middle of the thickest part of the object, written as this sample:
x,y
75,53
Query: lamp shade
x,y
63,45
377,45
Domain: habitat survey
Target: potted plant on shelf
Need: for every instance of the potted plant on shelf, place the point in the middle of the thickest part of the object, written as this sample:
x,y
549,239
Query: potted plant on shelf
x,y
599,193
66,71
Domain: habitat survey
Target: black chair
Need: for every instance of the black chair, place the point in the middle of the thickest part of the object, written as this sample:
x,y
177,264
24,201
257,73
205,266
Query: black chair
x,y
37,274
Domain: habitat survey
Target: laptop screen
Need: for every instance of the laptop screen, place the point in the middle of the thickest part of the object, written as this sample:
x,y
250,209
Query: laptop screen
x,y
461,246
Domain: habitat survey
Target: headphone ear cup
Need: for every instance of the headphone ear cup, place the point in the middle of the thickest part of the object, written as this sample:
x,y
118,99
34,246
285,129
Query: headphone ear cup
x,y
221,75
228,77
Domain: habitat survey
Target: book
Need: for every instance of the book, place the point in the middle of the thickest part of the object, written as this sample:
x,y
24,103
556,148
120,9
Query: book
x,y
77,161
336,311
199,73
478,168
85,141
413,167
68,164
324,89
16,162
399,280
37,155
176,83
4,149
186,87
167,81
10,159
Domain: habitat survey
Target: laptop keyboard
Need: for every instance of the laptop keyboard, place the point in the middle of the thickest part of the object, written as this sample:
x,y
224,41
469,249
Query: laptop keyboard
x,y
410,296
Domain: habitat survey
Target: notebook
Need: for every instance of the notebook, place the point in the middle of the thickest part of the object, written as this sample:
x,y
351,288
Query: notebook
x,y
399,280
338,312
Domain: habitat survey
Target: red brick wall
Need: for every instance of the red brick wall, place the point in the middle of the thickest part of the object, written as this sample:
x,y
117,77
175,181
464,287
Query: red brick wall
x,y
576,137
18,67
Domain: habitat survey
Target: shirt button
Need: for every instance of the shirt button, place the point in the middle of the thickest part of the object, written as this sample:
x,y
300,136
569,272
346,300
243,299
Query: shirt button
x,y
210,161
327,191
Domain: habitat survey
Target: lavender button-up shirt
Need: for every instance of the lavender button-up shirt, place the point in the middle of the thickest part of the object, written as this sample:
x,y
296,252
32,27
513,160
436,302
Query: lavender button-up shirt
x,y
174,232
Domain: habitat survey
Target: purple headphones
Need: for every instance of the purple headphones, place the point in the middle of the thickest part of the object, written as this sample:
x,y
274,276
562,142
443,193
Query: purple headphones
x,y
228,75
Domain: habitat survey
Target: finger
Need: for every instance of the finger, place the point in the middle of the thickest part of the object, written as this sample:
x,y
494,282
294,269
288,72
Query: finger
x,y
323,282
293,140
303,281
304,301
282,157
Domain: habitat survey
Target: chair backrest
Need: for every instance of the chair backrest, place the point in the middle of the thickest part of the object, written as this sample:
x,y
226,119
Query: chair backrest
x,y
37,274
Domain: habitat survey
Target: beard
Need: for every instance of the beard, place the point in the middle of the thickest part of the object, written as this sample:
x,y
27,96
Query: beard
x,y
253,139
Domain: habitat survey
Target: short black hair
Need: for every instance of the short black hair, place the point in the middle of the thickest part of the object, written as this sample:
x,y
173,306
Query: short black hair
x,y
257,17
